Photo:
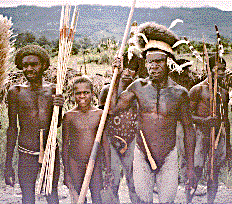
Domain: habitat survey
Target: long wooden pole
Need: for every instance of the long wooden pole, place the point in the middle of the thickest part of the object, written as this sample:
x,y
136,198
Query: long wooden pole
x,y
210,81
213,128
212,133
96,144
41,148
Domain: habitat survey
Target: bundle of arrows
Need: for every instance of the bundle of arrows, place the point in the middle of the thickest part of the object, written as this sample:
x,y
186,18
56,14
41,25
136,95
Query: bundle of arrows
x,y
67,33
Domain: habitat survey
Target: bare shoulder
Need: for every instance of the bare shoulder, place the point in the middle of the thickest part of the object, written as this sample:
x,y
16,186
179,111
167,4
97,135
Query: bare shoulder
x,y
198,87
141,81
70,114
15,90
138,83
105,88
196,91
103,94
96,111
75,112
49,86
179,90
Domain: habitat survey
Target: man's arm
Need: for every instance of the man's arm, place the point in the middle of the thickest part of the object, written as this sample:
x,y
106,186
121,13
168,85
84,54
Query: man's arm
x,y
124,101
60,117
126,97
103,95
107,154
189,136
209,121
194,101
227,127
65,148
12,134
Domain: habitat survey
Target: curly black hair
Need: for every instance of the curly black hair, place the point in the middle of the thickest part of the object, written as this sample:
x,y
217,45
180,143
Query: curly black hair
x,y
83,79
32,50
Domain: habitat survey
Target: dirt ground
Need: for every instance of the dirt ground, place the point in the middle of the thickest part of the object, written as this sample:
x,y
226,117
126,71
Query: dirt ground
x,y
9,195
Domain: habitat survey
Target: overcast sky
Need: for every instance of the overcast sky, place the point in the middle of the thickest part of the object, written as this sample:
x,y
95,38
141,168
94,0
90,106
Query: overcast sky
x,y
221,4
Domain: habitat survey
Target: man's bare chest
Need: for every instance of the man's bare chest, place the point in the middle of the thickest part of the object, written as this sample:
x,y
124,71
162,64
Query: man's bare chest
x,y
163,101
35,102
205,96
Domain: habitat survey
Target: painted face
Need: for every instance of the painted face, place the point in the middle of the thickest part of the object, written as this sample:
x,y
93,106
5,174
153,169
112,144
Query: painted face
x,y
156,64
32,67
221,71
83,94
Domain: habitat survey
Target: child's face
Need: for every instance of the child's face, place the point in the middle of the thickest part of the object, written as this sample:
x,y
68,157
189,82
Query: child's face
x,y
82,94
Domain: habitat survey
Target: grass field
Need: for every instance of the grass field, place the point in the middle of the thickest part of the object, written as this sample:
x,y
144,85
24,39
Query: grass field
x,y
92,68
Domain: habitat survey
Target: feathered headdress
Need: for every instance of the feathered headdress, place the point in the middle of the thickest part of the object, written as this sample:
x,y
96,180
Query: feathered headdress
x,y
154,36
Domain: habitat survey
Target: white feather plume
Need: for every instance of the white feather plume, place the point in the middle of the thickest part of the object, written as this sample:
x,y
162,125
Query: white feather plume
x,y
173,66
143,36
221,50
180,42
186,64
173,24
133,50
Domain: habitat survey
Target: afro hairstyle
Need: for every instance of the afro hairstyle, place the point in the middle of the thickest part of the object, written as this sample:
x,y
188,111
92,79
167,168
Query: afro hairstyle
x,y
32,50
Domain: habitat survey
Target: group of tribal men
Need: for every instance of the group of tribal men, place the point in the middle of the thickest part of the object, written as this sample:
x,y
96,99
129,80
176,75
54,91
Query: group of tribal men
x,y
145,108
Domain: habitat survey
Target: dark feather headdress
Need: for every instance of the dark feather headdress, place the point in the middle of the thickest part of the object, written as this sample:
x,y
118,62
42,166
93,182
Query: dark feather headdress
x,y
151,35
154,36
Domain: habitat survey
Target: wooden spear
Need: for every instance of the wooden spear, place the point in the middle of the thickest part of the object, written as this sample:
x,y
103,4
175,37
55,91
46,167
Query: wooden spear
x,y
214,109
220,52
213,94
210,81
41,152
96,144
214,114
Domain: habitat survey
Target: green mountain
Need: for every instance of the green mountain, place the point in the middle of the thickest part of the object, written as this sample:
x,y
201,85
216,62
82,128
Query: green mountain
x,y
96,21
